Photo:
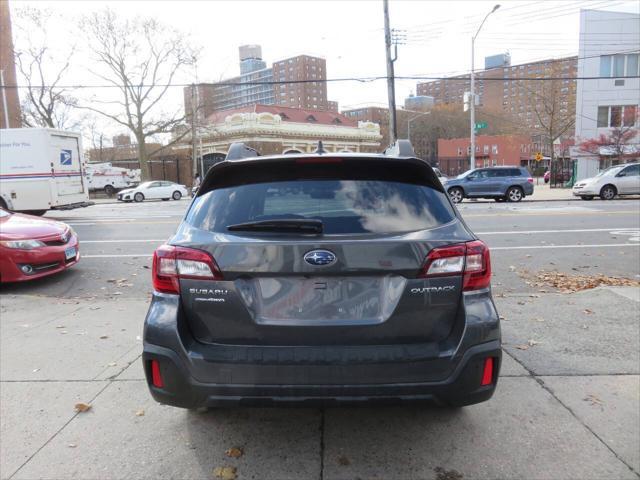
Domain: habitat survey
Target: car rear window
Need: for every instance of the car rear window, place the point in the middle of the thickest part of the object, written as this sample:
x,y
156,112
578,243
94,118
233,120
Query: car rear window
x,y
344,206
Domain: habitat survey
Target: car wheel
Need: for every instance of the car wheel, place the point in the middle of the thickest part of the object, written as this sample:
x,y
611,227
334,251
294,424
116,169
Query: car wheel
x,y
138,197
608,192
109,190
176,195
456,194
587,197
514,194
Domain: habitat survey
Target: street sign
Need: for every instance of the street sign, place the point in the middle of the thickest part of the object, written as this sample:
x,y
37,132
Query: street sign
x,y
481,125
538,157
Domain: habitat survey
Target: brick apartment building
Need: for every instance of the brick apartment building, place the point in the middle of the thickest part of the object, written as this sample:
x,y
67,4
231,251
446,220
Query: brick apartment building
x,y
510,96
8,67
301,95
242,91
491,150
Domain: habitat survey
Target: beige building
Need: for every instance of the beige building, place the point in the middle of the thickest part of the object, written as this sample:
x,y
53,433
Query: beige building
x,y
274,129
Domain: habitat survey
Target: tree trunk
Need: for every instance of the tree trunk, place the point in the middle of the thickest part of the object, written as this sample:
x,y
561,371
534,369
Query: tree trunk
x,y
145,171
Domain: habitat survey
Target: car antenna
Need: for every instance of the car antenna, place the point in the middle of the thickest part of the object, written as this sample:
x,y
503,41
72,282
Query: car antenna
x,y
320,149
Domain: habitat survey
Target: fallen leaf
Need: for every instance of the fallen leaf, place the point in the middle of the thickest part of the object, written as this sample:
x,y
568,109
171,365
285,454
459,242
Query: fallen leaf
x,y
234,452
593,399
343,460
587,311
225,473
82,407
140,413
522,347
111,364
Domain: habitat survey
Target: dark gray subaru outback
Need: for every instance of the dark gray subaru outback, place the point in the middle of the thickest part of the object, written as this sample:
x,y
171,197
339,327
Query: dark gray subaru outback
x,y
326,278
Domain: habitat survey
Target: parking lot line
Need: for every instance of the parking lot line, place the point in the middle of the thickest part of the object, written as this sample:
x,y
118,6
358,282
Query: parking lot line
x,y
600,245
527,232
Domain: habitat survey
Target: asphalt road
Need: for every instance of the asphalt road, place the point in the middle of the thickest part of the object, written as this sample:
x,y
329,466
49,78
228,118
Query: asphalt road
x,y
117,241
567,404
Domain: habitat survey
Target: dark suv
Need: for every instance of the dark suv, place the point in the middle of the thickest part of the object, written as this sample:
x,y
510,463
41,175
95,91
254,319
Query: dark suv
x,y
323,278
500,183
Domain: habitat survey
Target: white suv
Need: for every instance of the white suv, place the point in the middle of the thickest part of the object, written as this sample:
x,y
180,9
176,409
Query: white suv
x,y
617,180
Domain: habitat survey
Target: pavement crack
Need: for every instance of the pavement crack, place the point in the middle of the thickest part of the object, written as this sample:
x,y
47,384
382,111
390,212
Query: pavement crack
x,y
57,432
589,429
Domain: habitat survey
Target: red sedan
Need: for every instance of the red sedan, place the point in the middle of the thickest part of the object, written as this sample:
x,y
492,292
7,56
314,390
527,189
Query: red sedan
x,y
32,247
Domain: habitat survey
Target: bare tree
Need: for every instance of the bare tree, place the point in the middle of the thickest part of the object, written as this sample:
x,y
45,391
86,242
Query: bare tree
x,y
140,58
549,103
47,103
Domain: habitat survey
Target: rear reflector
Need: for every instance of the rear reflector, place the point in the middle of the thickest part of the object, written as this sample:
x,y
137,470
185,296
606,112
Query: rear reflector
x,y
156,378
170,264
487,373
471,259
530,180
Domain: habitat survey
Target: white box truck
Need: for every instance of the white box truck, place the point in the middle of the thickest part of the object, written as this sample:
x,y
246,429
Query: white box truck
x,y
106,177
41,169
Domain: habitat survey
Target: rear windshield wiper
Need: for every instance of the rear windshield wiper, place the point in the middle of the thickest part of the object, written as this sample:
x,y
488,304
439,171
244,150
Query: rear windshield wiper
x,y
288,225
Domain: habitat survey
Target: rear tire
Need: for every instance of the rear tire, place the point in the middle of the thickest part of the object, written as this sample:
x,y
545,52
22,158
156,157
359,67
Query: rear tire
x,y
176,195
456,194
608,192
138,197
514,194
109,190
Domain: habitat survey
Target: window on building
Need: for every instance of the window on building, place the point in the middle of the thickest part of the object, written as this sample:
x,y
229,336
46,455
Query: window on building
x,y
459,151
617,116
494,149
619,65
485,149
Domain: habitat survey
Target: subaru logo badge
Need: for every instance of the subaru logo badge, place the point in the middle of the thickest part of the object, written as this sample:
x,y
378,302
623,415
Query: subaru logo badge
x,y
319,258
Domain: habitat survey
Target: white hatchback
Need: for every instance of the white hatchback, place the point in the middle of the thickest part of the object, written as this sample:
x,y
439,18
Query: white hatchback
x,y
157,189
616,180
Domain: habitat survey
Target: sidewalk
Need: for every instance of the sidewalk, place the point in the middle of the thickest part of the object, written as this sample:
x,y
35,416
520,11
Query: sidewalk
x,y
544,193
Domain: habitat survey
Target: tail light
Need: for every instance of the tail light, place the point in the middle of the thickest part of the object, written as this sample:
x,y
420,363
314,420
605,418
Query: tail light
x,y
470,259
530,180
170,264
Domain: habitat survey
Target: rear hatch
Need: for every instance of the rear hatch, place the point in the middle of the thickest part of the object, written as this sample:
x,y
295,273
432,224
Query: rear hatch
x,y
321,251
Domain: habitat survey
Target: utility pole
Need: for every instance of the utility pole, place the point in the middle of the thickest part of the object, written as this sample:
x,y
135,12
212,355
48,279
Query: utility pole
x,y
194,158
391,89
4,100
472,97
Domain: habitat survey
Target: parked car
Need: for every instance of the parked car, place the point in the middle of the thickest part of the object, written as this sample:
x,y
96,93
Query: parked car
x,y
157,189
500,183
32,247
616,180
314,279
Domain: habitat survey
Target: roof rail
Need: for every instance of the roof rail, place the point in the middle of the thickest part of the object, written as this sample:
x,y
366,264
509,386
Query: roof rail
x,y
402,148
239,150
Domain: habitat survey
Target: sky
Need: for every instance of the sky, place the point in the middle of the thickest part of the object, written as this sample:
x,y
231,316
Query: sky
x,y
350,35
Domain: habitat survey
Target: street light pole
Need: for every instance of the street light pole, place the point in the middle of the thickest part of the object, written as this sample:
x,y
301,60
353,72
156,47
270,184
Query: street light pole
x,y
391,89
472,99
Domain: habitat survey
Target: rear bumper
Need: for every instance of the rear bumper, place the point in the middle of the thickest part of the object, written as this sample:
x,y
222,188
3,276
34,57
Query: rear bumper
x,y
182,390
196,375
